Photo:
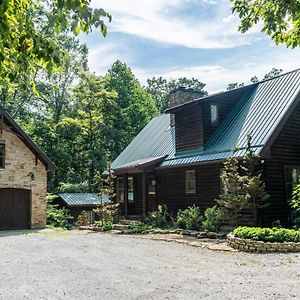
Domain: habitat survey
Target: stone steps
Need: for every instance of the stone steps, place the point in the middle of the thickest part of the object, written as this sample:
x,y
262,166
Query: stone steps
x,y
121,227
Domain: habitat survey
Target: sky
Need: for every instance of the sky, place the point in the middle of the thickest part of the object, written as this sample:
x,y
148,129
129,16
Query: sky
x,y
191,38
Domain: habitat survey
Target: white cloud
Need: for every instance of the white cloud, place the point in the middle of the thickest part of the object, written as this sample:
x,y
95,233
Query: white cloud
x,y
150,19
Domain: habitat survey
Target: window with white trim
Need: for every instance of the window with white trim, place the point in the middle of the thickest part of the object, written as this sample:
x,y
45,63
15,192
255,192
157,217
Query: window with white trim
x,y
214,115
190,182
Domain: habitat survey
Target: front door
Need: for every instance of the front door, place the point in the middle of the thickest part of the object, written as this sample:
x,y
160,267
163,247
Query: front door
x,y
151,193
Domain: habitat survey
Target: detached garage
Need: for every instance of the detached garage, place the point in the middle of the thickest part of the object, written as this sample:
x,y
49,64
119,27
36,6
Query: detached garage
x,y
23,178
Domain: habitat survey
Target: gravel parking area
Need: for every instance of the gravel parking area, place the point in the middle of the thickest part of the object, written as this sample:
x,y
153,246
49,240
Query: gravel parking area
x,y
85,265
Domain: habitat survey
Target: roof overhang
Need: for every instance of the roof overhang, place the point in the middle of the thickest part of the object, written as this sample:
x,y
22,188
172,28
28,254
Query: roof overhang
x,y
19,132
140,165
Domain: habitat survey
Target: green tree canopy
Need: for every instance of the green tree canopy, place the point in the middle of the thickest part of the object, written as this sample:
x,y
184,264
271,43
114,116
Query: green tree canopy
x,y
160,89
27,29
280,18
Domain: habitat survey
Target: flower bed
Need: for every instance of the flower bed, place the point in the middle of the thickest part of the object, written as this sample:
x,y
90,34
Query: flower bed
x,y
251,239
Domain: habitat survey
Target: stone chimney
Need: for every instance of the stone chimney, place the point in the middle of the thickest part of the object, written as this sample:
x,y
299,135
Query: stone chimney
x,y
180,96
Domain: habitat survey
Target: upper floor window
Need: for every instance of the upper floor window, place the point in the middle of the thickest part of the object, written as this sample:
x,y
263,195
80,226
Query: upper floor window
x,y
292,178
214,115
190,182
2,155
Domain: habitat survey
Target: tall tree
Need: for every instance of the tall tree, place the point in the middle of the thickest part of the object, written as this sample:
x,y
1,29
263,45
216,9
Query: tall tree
x,y
137,107
160,89
280,18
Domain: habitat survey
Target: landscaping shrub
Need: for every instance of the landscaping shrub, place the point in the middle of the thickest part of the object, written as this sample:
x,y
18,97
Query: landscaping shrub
x,y
83,219
57,217
212,220
160,218
296,223
140,228
268,234
189,218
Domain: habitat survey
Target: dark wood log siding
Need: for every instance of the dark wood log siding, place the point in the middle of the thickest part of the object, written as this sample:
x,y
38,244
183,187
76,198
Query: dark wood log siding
x,y
188,128
224,108
171,187
136,207
284,151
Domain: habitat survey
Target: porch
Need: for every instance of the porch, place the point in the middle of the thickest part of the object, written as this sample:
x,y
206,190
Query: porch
x,y
136,187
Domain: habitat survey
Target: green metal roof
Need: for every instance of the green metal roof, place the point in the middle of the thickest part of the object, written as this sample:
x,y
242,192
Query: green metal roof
x,y
82,199
157,139
261,111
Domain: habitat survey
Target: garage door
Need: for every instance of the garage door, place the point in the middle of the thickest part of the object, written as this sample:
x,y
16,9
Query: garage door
x,y
14,209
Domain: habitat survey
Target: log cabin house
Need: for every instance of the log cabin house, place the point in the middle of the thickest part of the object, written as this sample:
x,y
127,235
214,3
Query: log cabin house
x,y
177,158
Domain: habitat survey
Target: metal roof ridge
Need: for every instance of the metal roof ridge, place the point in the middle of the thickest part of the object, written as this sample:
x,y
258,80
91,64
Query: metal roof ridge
x,y
229,91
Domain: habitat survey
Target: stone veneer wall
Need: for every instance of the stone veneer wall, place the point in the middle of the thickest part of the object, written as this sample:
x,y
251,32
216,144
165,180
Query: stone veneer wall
x,y
248,245
20,164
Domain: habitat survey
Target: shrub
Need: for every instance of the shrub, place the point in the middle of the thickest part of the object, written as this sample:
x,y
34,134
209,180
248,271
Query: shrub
x,y
160,218
189,218
268,234
83,219
82,187
57,217
212,220
140,228
296,223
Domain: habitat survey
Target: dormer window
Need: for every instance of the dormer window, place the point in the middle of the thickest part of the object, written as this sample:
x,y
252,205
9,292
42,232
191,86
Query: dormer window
x,y
214,115
2,155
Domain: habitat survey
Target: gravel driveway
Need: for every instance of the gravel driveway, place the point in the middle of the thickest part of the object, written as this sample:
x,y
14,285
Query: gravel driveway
x,y
82,265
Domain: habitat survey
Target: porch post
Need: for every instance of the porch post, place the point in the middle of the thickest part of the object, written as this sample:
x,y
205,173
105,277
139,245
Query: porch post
x,y
144,194
126,194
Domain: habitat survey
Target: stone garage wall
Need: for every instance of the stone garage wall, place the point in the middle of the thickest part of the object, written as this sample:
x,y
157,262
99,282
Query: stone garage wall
x,y
21,171
248,245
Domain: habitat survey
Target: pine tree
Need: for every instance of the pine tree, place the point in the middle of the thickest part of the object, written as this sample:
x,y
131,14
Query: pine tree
x,y
256,187
234,197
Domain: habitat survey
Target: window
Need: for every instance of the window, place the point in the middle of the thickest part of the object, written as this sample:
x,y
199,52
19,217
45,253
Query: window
x,y
120,190
91,216
292,175
2,156
190,182
130,189
214,115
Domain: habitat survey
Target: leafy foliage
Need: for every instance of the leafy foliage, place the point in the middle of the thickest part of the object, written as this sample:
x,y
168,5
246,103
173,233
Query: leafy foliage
x,y
160,89
212,221
281,19
295,203
28,29
160,218
83,219
190,218
273,73
57,217
268,234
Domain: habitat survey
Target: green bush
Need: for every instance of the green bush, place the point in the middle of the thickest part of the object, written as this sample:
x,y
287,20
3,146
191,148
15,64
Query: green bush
x,y
296,223
189,218
160,218
57,217
82,187
268,234
140,228
212,221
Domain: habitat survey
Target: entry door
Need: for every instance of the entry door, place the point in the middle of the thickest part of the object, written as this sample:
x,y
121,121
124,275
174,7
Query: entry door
x,y
151,194
14,209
